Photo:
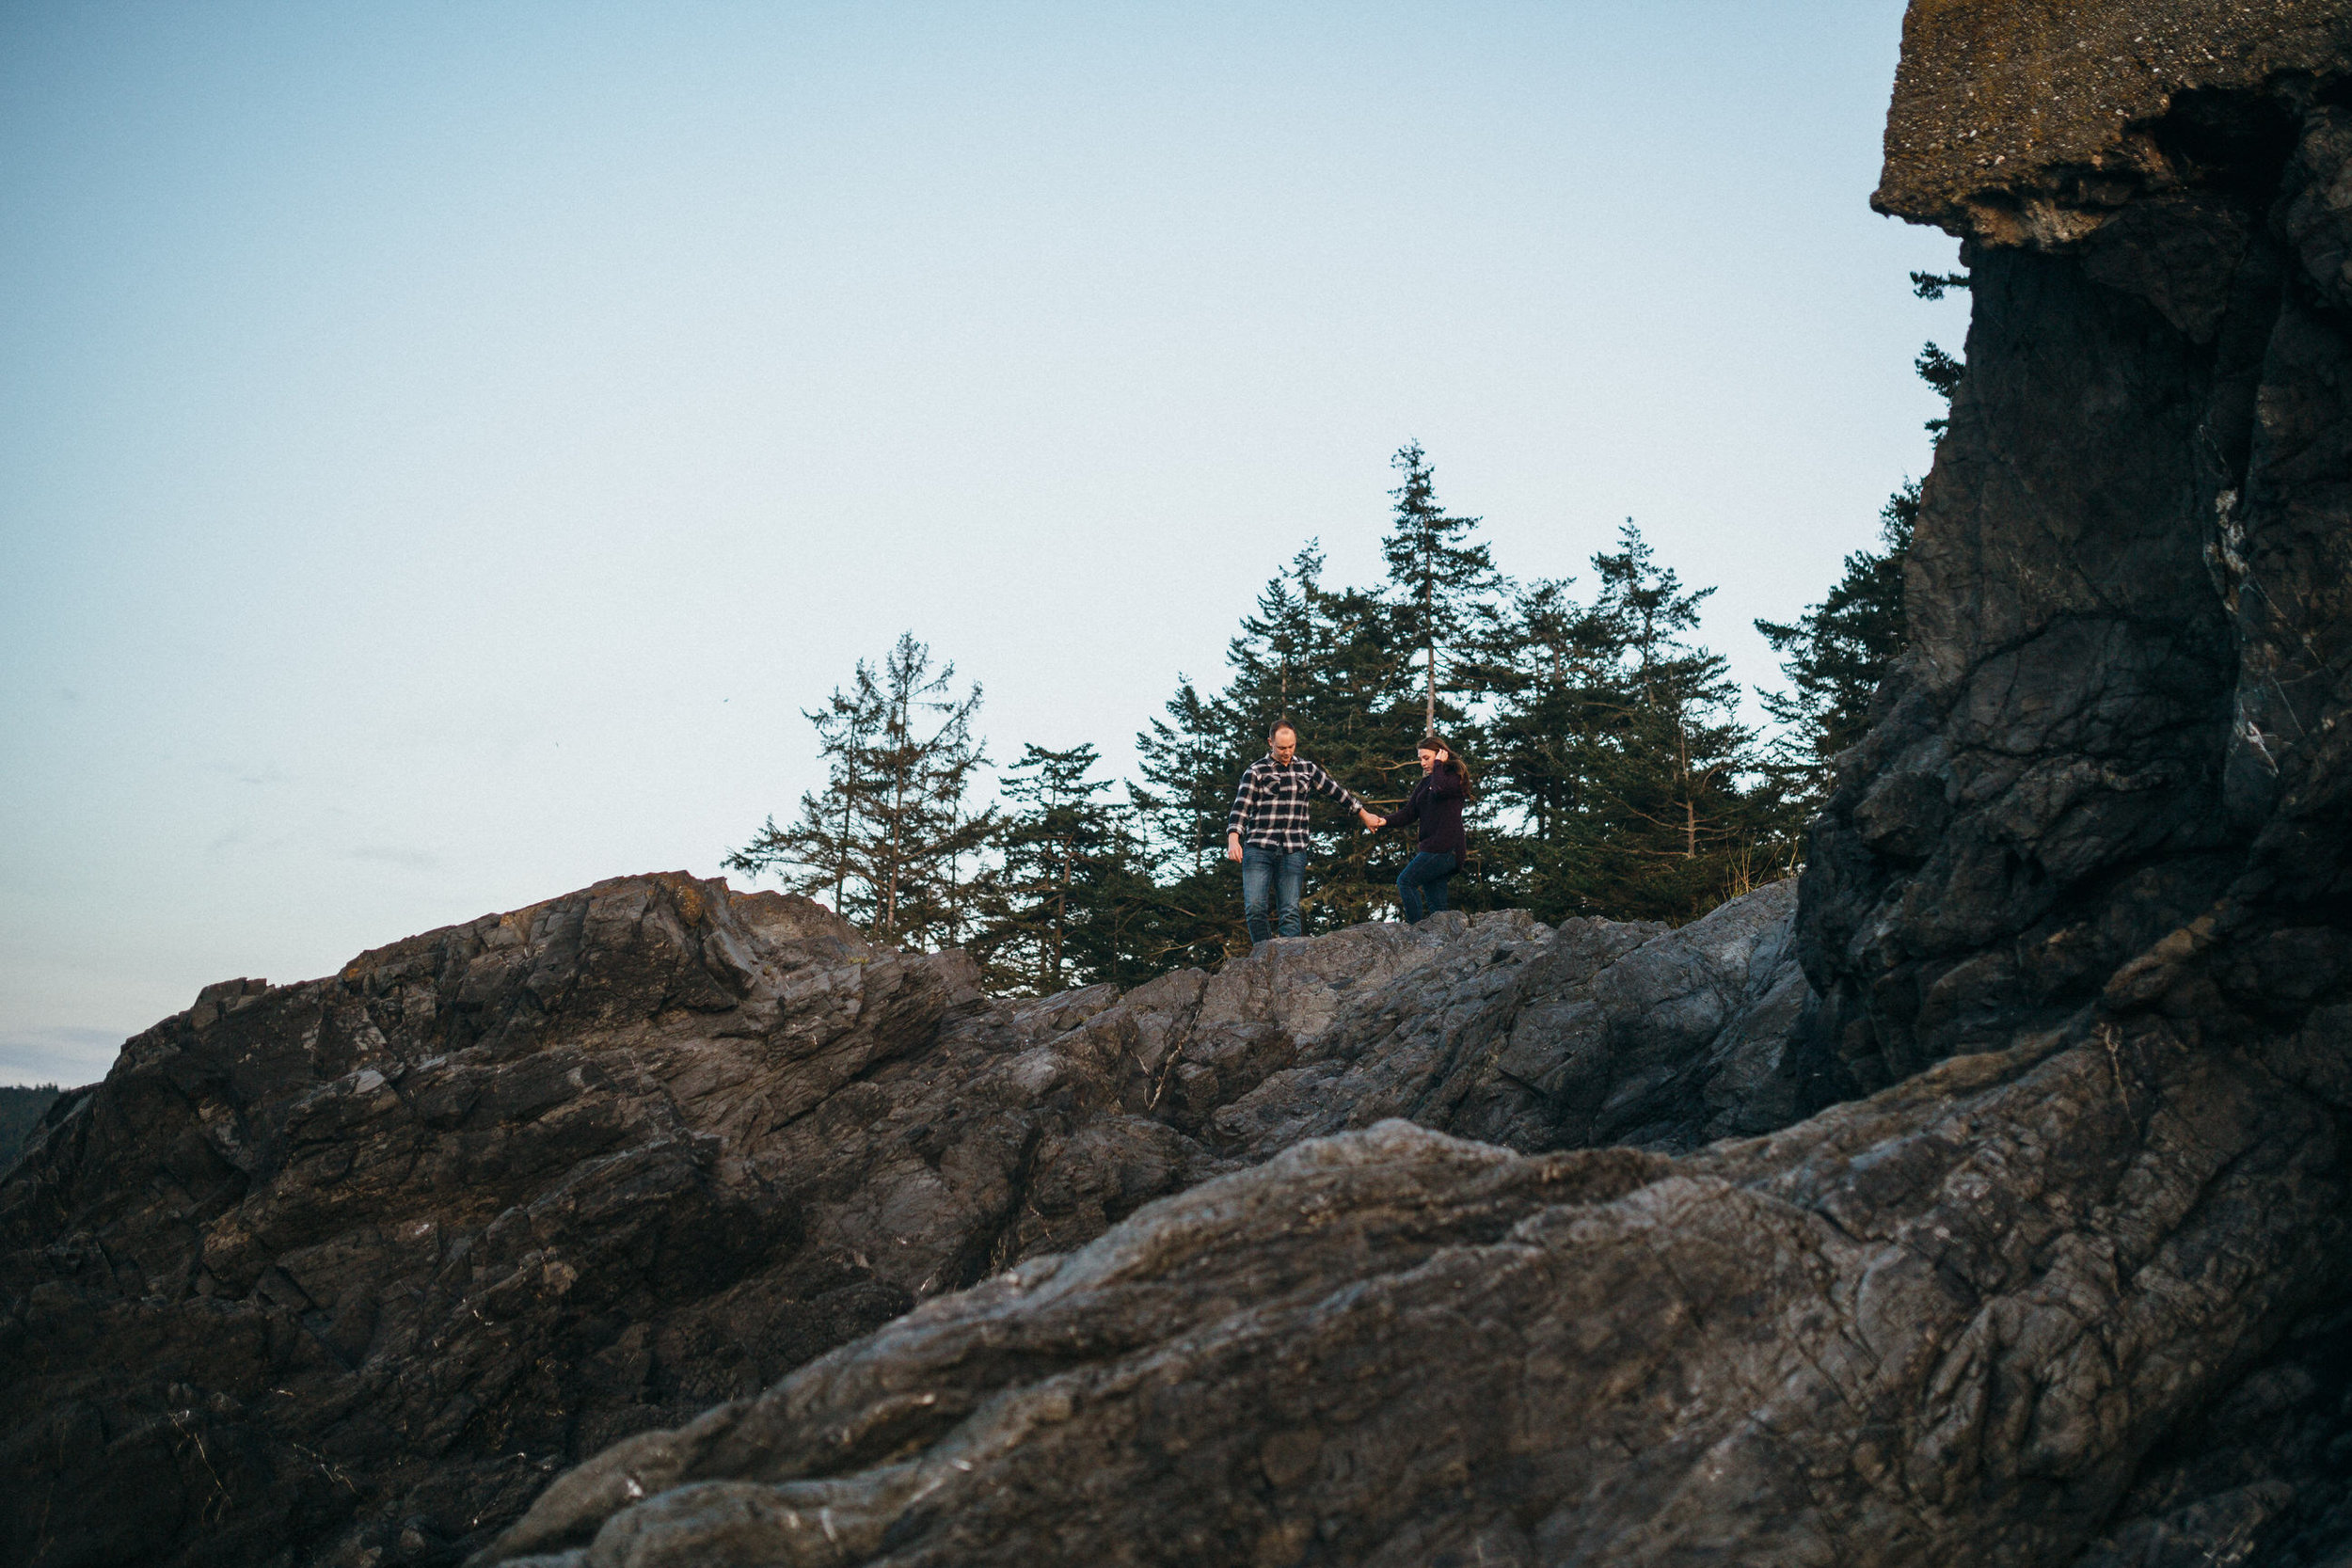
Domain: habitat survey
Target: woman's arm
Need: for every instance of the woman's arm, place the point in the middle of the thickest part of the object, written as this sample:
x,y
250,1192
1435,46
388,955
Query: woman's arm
x,y
1409,812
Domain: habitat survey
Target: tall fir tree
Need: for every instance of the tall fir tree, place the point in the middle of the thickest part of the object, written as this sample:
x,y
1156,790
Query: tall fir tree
x,y
1837,652
1184,757
823,852
1440,576
1683,817
924,761
1279,643
1052,902
1623,785
1552,664
889,835
1190,760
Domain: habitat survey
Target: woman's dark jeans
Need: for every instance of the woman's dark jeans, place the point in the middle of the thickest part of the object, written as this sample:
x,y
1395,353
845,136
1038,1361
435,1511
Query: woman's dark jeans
x,y
1424,875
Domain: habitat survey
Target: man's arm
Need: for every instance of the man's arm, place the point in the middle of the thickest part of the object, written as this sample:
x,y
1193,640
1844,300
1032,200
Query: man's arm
x,y
1325,783
1245,797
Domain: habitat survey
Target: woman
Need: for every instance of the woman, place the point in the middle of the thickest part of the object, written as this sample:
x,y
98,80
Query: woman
x,y
1435,804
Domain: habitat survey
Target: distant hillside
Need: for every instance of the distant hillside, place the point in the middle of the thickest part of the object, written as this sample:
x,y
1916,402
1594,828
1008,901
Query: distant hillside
x,y
21,1110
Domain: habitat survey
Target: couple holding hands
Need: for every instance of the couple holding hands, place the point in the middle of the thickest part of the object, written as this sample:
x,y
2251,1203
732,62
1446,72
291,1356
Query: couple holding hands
x,y
1267,829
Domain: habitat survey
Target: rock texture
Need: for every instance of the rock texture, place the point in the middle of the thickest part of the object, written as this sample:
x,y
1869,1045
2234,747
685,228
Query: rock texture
x,y
2110,781
2129,589
21,1110
1987,1209
2070,1284
1935,1326
349,1269
2025,122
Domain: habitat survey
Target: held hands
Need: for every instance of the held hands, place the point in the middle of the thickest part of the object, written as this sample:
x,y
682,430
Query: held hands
x,y
1372,822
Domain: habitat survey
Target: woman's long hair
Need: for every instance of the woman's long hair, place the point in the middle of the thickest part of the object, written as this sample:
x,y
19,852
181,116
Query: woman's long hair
x,y
1452,760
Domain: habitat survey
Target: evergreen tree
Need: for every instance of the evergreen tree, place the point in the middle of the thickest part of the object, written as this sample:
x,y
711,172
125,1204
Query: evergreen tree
x,y
1545,662
1282,639
1439,578
1941,371
1052,892
1625,785
1137,898
890,833
1677,826
1936,368
1185,759
825,852
1552,666
1190,760
922,765
1837,653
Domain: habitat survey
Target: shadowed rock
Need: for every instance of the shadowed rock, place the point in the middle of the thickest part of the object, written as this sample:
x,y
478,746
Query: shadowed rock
x,y
353,1266
2128,592
1939,1323
2070,1286
1216,1273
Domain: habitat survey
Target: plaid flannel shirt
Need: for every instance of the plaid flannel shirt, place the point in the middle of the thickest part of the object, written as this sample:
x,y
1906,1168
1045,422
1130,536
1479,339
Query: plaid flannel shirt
x,y
1270,807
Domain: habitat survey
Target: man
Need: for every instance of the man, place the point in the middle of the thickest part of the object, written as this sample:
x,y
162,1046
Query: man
x,y
1268,831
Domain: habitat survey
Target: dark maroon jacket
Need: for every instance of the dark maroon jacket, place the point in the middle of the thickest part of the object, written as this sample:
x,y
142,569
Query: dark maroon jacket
x,y
1435,803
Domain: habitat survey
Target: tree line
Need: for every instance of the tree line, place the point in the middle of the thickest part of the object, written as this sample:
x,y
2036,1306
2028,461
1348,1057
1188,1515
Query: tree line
x,y
1615,775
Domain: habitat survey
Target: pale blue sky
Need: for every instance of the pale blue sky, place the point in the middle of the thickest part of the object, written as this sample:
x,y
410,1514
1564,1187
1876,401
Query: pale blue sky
x,y
443,448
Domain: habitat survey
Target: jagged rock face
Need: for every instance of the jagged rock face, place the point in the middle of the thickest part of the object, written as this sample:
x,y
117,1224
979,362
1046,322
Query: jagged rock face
x,y
2128,594
1932,1327
1600,1034
437,1222
2112,779
2071,1286
350,1268
1212,1272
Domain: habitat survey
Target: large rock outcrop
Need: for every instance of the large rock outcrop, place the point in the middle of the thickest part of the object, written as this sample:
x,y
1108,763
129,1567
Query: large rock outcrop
x,y
1935,1326
2128,594
1475,1243
2069,1285
350,1268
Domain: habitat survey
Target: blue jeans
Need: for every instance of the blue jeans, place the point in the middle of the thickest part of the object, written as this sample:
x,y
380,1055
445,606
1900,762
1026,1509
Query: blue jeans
x,y
1424,875
1267,871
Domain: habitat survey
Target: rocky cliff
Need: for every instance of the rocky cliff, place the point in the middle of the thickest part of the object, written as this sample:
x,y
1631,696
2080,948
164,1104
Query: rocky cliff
x,y
1980,1200
350,1268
